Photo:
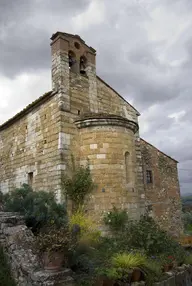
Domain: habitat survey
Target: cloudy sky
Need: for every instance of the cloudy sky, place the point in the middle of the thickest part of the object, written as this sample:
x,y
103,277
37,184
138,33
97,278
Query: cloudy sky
x,y
144,50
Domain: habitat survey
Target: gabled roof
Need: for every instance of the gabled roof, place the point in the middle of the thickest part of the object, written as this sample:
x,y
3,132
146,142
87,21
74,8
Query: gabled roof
x,y
44,98
27,109
118,94
158,150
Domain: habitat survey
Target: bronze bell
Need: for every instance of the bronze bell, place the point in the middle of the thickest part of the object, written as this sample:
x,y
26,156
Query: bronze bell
x,y
82,66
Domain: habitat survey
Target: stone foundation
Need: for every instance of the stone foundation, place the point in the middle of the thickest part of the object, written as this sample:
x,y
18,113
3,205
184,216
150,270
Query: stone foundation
x,y
18,243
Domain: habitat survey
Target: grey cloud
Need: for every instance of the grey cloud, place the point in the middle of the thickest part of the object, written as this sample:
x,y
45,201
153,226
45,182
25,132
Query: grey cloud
x,y
24,43
11,11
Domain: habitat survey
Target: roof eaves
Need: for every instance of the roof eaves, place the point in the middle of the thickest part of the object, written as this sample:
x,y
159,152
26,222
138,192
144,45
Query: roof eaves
x,y
27,109
138,114
159,150
54,36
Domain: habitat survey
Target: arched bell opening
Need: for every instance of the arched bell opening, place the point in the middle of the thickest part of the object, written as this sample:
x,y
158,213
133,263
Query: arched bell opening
x,y
83,65
72,61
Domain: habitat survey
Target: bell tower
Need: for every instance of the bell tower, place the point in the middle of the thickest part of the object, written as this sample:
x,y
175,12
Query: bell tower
x,y
71,54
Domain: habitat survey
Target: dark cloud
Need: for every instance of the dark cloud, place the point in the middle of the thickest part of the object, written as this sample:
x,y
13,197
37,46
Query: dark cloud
x,y
25,30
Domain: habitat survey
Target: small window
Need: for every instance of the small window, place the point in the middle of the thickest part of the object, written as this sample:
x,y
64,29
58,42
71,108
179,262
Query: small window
x,y
30,179
127,167
149,177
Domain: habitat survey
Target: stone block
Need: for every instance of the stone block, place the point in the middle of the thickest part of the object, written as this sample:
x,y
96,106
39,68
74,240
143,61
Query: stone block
x,y
55,278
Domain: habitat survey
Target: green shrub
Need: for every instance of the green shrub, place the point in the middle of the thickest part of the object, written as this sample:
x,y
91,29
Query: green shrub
x,y
188,259
1,197
78,185
38,208
146,234
85,262
5,273
187,221
141,244
123,264
53,239
128,260
116,219
179,254
152,270
88,229
1,201
18,200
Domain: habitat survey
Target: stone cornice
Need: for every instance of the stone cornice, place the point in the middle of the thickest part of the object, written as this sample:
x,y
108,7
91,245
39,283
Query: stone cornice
x,y
112,120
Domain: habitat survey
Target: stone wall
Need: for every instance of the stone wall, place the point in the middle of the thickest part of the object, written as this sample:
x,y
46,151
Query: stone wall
x,y
109,101
181,276
105,142
163,193
18,244
29,148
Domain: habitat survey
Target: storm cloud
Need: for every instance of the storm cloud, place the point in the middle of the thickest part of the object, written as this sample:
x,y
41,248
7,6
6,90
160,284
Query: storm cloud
x,y
144,50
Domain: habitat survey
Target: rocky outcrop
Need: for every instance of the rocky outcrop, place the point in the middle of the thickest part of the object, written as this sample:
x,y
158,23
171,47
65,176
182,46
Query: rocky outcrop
x,y
18,243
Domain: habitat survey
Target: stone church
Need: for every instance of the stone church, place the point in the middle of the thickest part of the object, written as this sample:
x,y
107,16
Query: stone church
x,y
85,117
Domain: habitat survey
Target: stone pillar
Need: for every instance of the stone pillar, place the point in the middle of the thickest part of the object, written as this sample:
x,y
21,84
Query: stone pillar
x,y
91,73
60,70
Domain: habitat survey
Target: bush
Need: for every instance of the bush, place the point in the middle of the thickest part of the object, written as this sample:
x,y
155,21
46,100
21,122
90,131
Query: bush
x,y
146,234
188,259
54,240
128,260
123,265
5,273
78,186
187,220
1,201
116,219
1,197
152,270
138,244
88,229
38,208
84,261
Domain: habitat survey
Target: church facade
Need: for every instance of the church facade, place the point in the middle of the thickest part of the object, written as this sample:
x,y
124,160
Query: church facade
x,y
82,116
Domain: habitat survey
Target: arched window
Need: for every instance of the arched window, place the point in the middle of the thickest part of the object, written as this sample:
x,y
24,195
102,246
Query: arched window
x,y
72,61
127,167
82,64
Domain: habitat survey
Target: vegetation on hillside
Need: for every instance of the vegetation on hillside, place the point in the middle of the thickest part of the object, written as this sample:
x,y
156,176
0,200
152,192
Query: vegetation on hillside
x,y
186,203
187,213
